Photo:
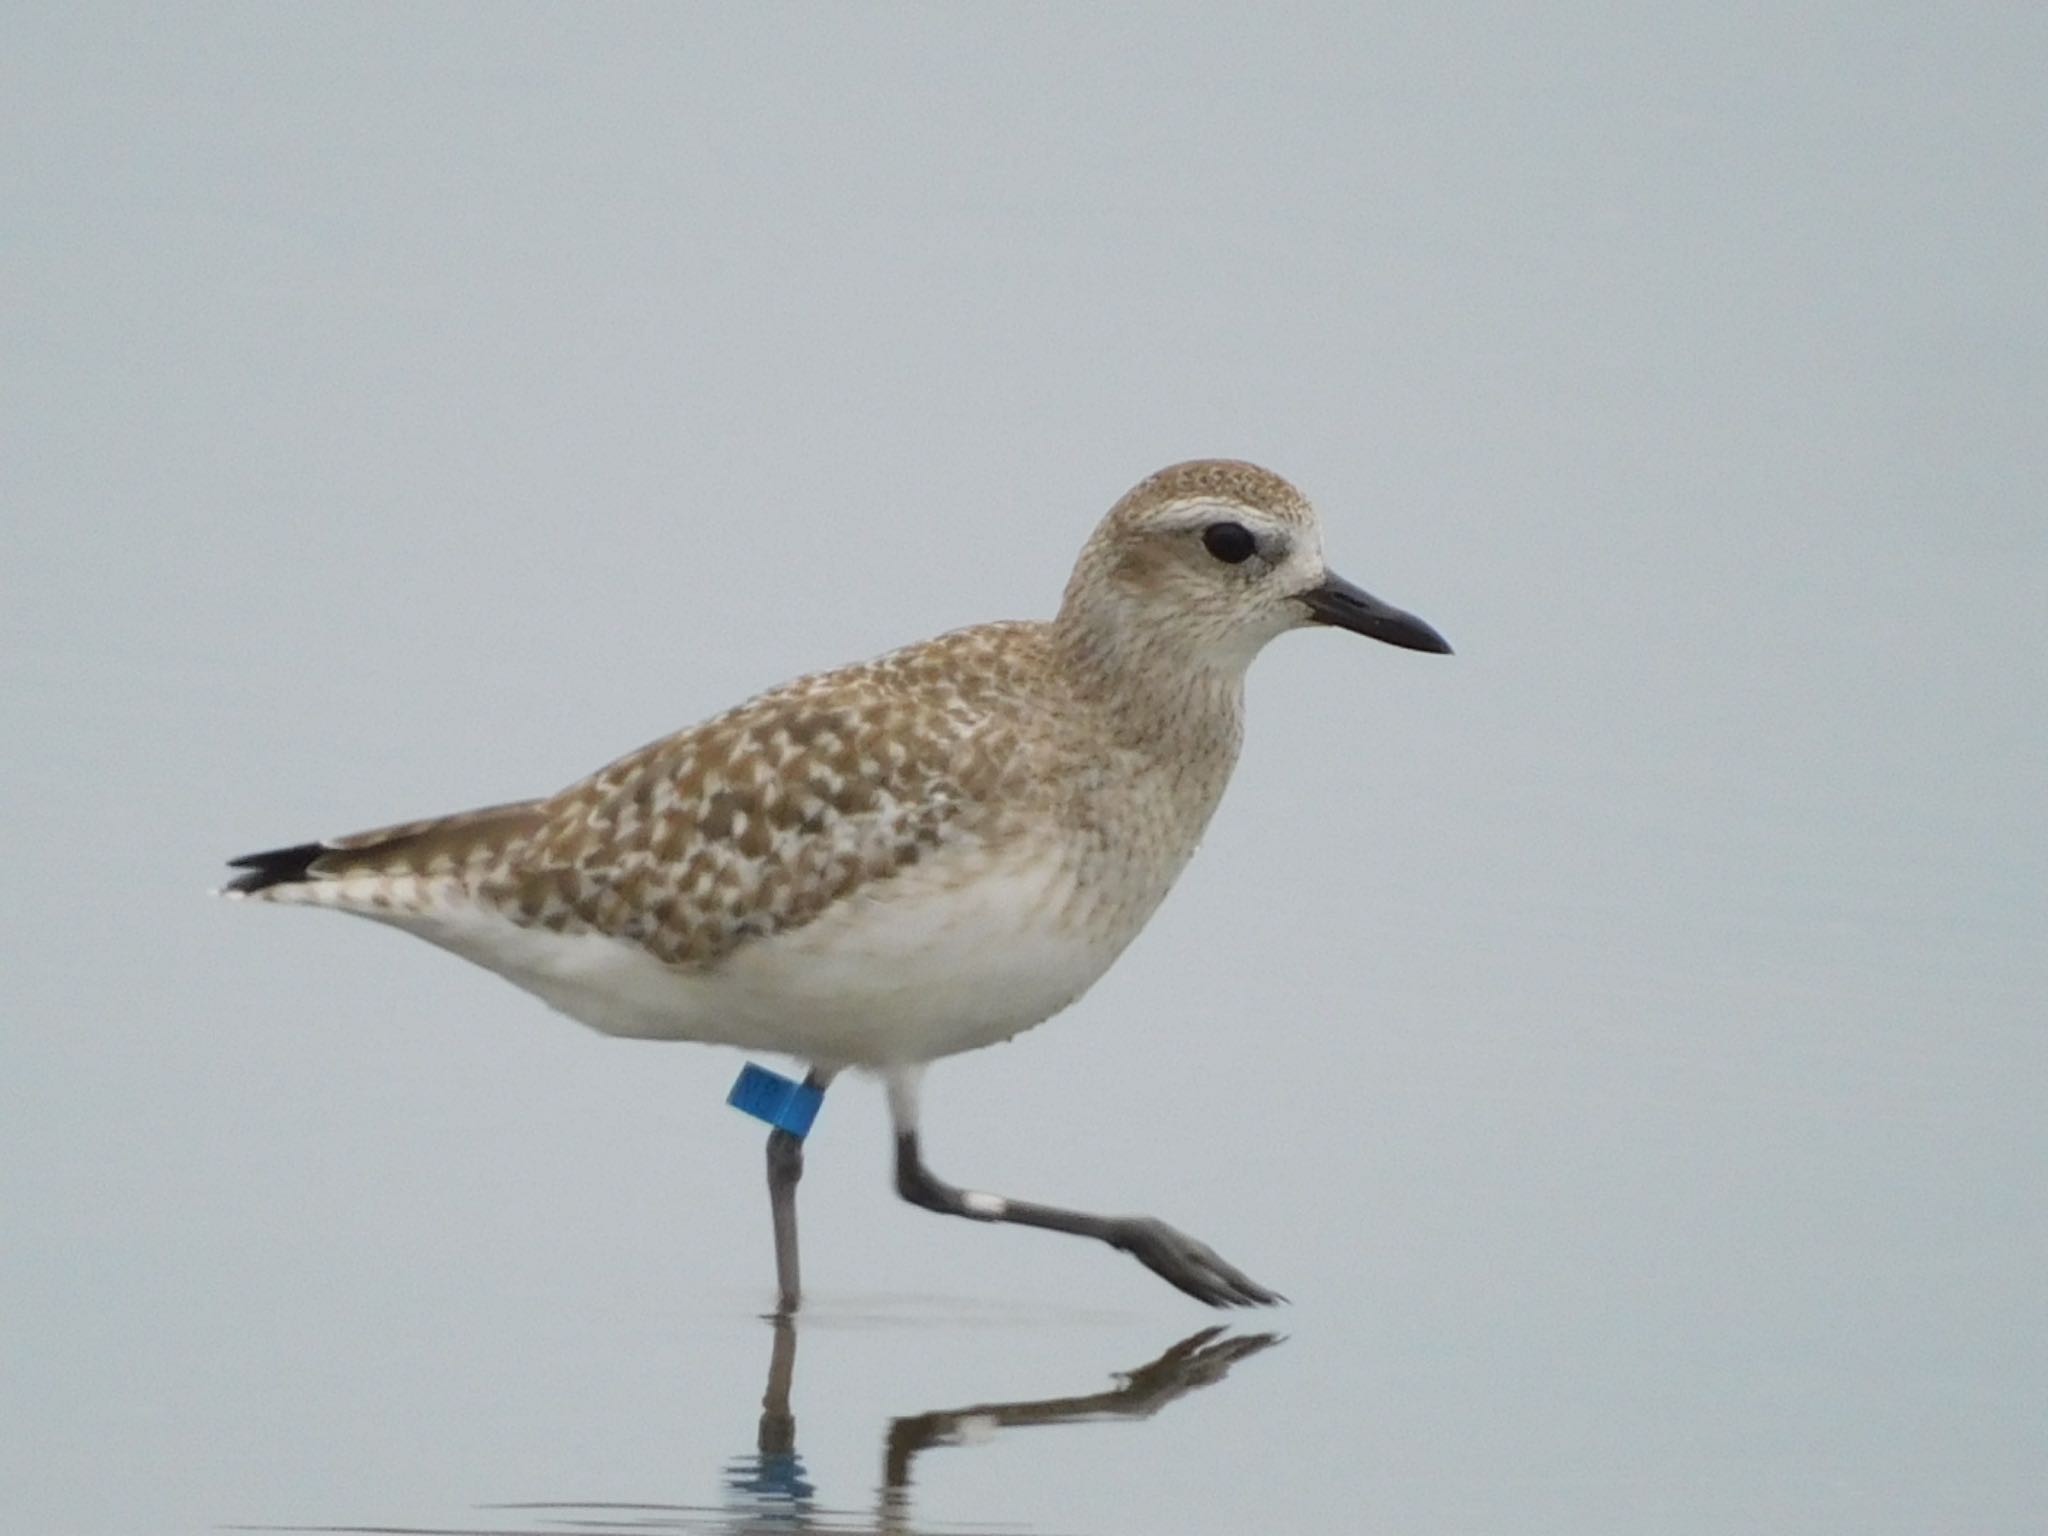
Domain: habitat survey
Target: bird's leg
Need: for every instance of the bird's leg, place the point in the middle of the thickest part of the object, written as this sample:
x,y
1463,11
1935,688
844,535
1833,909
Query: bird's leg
x,y
1172,1255
785,1168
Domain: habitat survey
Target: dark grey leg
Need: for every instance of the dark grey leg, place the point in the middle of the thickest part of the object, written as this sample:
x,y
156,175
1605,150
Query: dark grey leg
x,y
785,1168
1172,1255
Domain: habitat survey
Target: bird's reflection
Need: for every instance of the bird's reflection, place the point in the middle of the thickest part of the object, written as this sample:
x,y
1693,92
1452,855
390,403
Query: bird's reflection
x,y
773,1477
768,1490
774,1492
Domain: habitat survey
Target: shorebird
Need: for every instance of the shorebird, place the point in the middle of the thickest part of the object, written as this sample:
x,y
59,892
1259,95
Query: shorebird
x,y
901,860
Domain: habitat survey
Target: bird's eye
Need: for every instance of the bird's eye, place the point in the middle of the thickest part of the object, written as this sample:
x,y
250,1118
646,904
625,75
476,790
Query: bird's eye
x,y
1232,543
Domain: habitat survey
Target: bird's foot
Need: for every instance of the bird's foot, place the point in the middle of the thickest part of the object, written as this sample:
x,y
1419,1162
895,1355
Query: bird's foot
x,y
1189,1265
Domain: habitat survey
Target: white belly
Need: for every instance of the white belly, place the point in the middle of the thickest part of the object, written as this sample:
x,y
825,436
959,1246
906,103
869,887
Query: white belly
x,y
904,970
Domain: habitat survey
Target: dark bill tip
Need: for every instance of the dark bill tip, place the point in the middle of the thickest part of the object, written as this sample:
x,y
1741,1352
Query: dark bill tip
x,y
1338,602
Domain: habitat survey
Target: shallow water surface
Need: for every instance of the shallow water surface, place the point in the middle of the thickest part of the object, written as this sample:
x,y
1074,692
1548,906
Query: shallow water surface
x,y
770,1486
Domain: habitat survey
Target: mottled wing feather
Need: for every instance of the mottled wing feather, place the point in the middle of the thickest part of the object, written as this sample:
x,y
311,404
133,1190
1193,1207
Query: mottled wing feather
x,y
426,840
459,846
755,822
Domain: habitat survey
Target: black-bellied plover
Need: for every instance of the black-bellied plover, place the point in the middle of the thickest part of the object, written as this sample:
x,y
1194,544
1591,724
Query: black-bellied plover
x,y
900,860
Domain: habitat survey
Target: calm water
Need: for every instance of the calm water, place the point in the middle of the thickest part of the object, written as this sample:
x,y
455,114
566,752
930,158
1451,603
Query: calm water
x,y
1623,1040
770,1486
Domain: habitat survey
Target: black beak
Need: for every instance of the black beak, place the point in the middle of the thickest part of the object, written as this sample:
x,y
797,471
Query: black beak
x,y
1338,602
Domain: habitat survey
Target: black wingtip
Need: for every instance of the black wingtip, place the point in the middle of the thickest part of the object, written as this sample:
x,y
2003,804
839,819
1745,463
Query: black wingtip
x,y
277,866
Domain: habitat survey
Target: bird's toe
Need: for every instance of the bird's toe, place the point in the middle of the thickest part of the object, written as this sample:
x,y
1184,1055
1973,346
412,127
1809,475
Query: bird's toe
x,y
1191,1266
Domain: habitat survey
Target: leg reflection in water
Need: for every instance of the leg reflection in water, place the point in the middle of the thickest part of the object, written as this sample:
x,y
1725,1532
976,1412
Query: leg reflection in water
x,y
773,1477
775,1488
769,1493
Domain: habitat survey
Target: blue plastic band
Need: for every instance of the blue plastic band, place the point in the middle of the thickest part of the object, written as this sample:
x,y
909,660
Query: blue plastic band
x,y
783,1102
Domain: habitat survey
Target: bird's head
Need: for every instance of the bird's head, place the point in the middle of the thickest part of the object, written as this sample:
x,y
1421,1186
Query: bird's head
x,y
1209,560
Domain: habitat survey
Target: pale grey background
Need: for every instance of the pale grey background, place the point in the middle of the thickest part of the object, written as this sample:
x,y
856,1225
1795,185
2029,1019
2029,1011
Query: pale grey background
x,y
1624,1040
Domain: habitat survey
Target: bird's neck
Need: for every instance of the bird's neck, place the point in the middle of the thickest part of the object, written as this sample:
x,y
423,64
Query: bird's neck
x,y
1163,738
1155,699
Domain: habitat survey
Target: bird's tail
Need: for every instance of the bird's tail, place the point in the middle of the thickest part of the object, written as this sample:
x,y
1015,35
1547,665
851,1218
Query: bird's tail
x,y
444,845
